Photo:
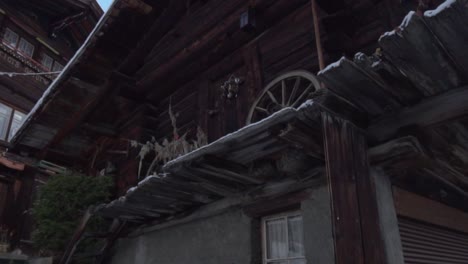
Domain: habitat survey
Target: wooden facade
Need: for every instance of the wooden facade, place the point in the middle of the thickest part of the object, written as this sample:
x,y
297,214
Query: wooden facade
x,y
36,37
399,110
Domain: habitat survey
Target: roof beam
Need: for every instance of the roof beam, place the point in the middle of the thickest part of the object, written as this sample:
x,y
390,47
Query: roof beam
x,y
431,111
75,118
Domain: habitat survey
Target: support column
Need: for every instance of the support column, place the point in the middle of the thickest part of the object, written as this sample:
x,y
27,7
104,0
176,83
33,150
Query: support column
x,y
353,197
387,217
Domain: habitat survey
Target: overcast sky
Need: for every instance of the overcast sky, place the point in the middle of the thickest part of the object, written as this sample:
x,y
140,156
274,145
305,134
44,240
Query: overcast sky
x,y
105,4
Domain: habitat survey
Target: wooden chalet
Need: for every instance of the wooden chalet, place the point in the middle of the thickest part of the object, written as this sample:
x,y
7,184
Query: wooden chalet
x,y
363,162
37,37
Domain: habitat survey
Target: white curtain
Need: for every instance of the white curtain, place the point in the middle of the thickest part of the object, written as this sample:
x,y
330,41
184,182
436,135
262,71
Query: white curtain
x,y
295,237
277,244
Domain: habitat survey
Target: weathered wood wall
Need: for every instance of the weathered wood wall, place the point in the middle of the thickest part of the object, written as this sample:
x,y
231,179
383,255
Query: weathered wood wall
x,y
187,62
188,65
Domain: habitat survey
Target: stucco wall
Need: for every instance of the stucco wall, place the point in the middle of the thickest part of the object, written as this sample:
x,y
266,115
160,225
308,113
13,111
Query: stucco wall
x,y
229,238
318,236
220,239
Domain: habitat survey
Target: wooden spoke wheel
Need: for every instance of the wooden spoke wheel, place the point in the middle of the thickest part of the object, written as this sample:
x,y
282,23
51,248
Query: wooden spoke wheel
x,y
288,90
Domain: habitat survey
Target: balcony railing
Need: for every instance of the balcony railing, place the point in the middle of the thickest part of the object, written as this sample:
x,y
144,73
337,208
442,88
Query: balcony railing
x,y
29,64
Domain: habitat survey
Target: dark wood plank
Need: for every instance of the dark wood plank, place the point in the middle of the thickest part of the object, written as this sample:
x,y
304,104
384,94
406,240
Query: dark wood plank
x,y
435,110
408,46
354,208
359,87
449,25
421,208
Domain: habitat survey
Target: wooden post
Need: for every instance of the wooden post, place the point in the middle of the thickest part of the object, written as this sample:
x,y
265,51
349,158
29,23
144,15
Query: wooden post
x,y
353,202
318,40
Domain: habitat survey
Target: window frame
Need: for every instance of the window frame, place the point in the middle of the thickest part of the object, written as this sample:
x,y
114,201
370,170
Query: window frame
x,y
11,32
284,215
52,61
9,135
10,121
54,68
23,52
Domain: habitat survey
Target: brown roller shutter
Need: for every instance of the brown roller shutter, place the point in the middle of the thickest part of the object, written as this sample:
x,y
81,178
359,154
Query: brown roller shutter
x,y
429,244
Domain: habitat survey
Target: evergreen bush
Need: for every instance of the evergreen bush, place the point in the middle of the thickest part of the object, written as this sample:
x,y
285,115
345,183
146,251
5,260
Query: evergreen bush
x,y
60,206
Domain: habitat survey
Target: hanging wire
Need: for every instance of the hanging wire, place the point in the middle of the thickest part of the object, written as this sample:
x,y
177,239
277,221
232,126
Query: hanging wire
x,y
12,74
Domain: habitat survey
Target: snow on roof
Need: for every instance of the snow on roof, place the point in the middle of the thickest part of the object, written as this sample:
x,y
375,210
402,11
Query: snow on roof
x,y
288,111
331,66
400,28
441,8
55,85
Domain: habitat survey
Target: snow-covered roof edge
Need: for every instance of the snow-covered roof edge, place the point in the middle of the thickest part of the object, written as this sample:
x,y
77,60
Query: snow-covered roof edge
x,y
55,85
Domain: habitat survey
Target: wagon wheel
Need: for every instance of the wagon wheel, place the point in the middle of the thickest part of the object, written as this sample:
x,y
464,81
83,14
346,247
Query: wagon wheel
x,y
288,90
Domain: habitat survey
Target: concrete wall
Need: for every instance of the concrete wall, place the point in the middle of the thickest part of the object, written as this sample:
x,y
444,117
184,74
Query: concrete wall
x,y
318,234
220,239
229,238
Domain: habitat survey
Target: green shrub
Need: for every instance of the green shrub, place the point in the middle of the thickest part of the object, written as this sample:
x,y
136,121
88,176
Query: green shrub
x,y
61,204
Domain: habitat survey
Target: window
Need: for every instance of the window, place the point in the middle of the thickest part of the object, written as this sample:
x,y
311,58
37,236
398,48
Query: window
x,y
5,116
26,48
10,38
47,61
10,121
57,67
16,122
283,239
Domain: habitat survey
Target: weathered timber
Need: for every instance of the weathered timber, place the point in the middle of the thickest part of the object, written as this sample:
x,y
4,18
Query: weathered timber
x,y
72,244
389,78
407,153
254,77
417,207
215,188
187,51
228,174
352,194
434,110
179,188
333,103
256,151
273,189
303,139
75,118
314,177
115,231
408,47
448,25
394,152
225,144
350,81
206,44
448,143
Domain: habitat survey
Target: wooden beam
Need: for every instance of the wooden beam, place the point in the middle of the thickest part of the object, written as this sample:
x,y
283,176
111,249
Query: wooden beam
x,y
411,205
333,103
301,138
274,189
163,24
73,243
354,209
406,153
214,44
431,111
227,174
392,153
75,118
318,41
